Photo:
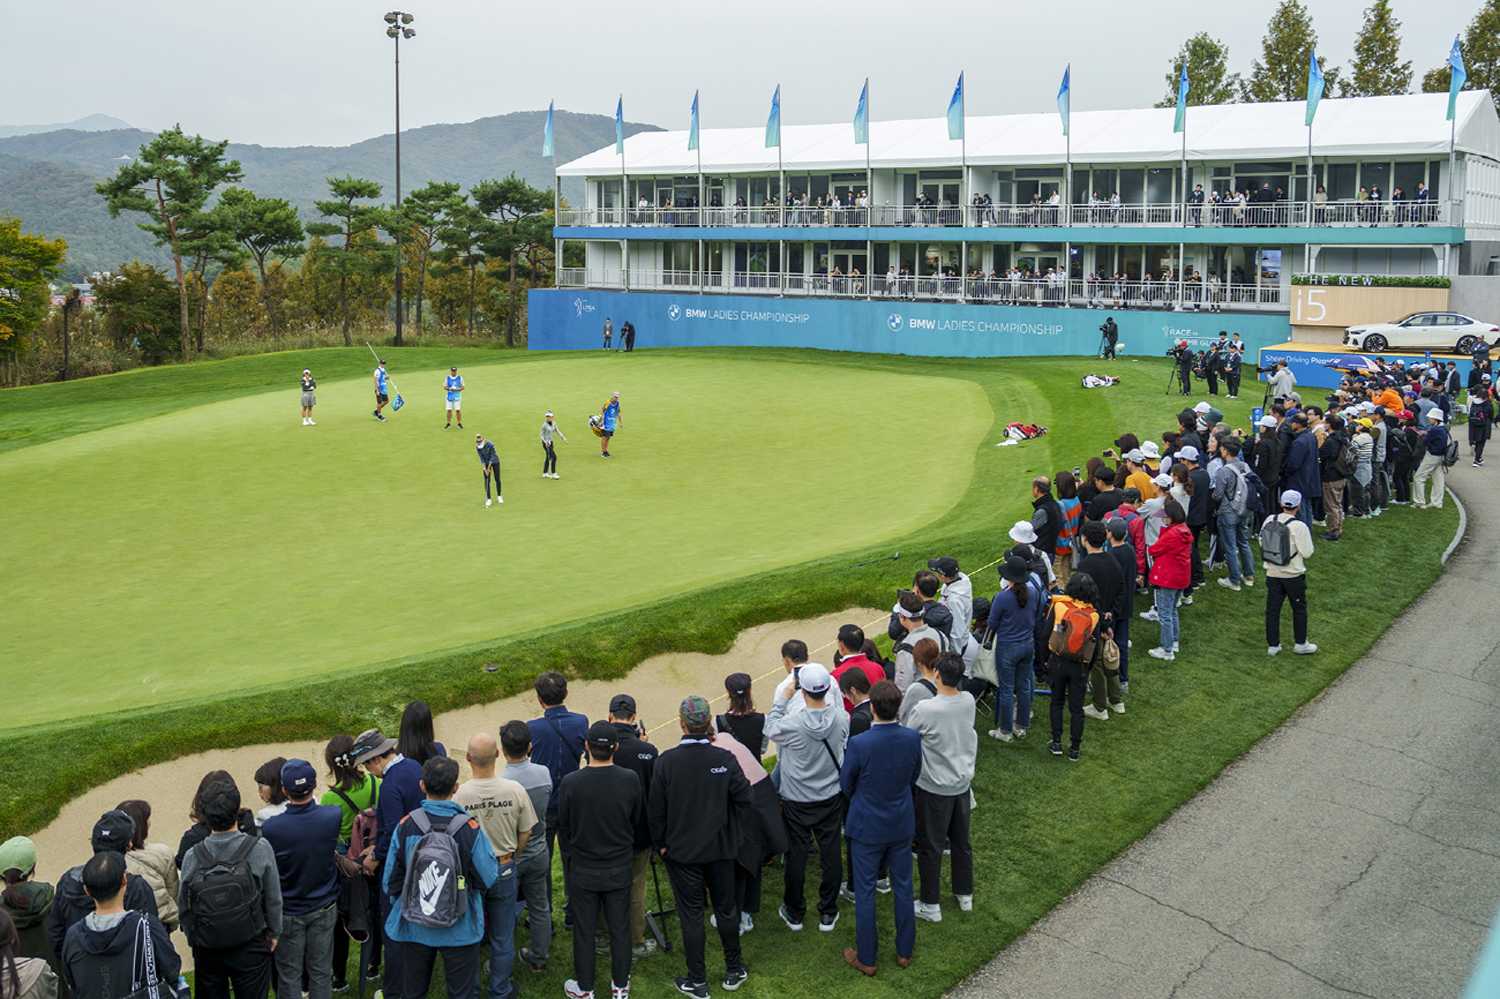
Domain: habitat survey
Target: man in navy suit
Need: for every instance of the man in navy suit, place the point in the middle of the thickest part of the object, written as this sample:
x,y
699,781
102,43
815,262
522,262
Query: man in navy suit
x,y
879,777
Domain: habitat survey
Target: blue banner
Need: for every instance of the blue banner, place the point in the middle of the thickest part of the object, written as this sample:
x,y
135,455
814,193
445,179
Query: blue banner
x,y
563,319
1179,123
547,132
862,116
1457,75
1324,369
693,125
773,120
1065,97
956,110
620,125
1314,85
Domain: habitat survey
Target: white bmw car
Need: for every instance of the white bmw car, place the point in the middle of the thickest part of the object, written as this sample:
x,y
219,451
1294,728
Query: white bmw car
x,y
1445,331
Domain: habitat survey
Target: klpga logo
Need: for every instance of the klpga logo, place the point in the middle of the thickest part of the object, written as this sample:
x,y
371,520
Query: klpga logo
x,y
673,312
580,306
893,321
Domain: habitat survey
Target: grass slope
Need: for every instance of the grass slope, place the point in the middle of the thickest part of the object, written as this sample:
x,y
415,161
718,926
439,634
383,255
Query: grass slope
x,y
234,536
1042,826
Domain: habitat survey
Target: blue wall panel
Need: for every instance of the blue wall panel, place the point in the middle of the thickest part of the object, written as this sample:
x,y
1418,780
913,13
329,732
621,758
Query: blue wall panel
x,y
562,319
1314,367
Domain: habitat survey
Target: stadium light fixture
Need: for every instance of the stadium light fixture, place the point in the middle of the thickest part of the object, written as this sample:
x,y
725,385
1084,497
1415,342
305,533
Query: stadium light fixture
x,y
398,27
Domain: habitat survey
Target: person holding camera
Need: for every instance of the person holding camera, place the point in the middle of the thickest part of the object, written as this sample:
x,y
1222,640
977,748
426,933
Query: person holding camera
x,y
1109,333
1183,355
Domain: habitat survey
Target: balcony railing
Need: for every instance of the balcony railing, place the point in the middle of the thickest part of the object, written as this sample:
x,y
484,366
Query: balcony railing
x,y
1274,214
1191,295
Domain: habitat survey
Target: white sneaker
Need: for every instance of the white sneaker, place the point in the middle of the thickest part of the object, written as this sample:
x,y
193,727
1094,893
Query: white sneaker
x,y
615,991
747,923
499,499
304,421
931,913
311,422
488,503
965,903
846,893
1187,600
1229,585
1019,732
1118,708
1149,615
1090,711
1000,736
572,990
1160,653
1305,649
556,475
883,886
1248,582
1273,650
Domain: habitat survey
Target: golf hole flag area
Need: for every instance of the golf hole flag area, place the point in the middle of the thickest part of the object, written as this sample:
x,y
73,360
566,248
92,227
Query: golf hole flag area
x,y
226,548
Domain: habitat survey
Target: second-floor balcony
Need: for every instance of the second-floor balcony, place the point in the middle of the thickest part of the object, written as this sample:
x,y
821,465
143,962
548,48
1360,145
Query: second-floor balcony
x,y
1195,293
1223,214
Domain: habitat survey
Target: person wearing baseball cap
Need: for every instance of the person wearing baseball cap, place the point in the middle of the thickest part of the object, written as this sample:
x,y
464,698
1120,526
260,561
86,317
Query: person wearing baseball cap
x,y
550,429
453,388
958,597
1286,543
700,803
1299,462
811,751
111,833
636,754
305,837
400,794
26,901
909,617
1481,418
1139,477
1434,466
598,810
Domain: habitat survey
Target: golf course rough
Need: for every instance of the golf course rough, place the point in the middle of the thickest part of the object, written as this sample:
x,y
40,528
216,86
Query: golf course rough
x,y
226,548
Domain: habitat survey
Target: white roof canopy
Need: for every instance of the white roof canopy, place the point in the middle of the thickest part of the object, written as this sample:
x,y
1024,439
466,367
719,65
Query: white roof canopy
x,y
1409,125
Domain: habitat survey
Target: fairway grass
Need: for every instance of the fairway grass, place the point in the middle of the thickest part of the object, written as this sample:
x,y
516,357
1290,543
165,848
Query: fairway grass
x,y
1042,826
227,547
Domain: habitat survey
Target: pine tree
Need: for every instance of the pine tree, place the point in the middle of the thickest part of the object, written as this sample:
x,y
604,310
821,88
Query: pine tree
x,y
1378,69
1280,74
356,218
1207,61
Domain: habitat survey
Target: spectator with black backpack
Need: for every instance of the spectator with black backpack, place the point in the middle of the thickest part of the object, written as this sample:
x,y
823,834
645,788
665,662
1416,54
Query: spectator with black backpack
x,y
230,902
438,871
1235,495
116,951
909,616
1285,544
1336,460
305,837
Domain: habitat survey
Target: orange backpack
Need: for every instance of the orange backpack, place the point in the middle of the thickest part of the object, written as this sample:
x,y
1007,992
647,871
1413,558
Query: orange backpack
x,y
1074,631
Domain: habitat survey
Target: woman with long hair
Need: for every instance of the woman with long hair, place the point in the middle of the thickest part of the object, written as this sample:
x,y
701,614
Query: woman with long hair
x,y
1072,520
1011,632
1171,575
22,977
152,861
268,783
351,790
198,831
416,740
741,720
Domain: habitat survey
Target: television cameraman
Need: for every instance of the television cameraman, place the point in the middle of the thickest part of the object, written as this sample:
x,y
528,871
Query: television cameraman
x,y
1183,355
1109,338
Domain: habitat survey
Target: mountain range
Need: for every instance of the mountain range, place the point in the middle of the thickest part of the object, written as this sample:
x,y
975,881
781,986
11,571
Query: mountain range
x,y
47,178
88,123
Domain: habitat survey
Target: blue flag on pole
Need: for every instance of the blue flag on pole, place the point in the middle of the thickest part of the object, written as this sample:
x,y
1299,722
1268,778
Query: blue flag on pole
x,y
773,121
693,124
620,125
862,116
1457,75
1065,97
547,132
1314,85
956,110
1183,86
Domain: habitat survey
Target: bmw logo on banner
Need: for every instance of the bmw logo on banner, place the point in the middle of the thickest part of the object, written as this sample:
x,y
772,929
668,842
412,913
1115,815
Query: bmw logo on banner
x,y
893,322
674,313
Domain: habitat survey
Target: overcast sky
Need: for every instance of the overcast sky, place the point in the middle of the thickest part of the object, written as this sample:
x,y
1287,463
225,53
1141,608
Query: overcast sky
x,y
318,72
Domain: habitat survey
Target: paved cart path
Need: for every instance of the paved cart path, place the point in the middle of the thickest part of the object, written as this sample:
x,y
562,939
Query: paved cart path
x,y
1353,852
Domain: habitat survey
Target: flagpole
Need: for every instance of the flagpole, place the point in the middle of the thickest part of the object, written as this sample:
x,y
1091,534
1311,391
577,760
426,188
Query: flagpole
x,y
702,218
1184,207
781,197
869,202
1311,180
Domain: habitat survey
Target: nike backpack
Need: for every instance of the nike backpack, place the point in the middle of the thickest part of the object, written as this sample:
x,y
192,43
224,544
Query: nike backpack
x,y
433,893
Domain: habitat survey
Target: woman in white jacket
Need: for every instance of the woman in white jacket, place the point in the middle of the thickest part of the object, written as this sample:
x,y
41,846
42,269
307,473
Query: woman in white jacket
x,y
153,861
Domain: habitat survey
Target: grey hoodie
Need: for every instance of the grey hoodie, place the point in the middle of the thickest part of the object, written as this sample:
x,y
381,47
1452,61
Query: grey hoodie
x,y
809,747
950,745
958,597
906,666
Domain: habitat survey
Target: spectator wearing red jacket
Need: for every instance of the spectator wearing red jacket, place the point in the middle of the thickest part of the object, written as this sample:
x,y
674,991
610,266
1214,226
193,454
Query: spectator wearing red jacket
x,y
1171,574
851,657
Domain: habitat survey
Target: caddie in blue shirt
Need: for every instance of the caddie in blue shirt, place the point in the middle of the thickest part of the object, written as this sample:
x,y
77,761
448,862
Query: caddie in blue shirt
x,y
609,416
453,385
437,872
382,388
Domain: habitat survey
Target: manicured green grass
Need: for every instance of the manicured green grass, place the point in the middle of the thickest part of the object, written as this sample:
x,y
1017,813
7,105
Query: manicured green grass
x,y
230,535
1042,825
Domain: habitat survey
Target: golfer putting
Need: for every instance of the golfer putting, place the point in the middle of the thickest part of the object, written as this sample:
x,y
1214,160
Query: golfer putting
x,y
490,462
549,453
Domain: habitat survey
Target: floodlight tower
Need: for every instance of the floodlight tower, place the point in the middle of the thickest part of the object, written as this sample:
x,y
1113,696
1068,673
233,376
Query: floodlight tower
x,y
398,26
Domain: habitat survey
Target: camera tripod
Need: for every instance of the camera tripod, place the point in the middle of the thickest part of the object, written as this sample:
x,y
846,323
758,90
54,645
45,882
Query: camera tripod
x,y
1174,380
656,919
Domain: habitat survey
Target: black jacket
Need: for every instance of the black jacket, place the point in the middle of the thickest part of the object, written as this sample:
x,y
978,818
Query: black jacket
x,y
198,832
1203,488
1046,534
1333,444
860,718
638,756
699,804
111,963
72,903
1265,459
1104,570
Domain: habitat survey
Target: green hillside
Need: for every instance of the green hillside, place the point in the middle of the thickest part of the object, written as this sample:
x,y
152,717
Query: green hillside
x,y
45,174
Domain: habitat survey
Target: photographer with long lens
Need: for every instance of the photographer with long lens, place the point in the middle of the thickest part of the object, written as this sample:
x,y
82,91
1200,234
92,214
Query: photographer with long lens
x,y
1182,354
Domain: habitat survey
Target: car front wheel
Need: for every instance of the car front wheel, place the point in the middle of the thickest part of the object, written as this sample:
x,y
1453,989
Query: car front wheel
x,y
1467,344
1374,342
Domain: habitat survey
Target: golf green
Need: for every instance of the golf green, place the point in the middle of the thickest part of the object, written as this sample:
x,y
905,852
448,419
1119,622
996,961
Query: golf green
x,y
224,548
